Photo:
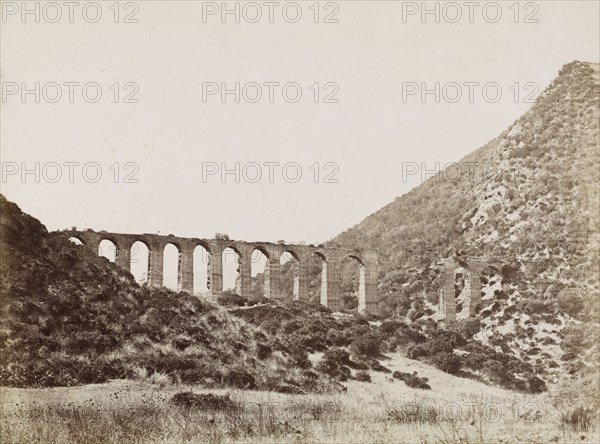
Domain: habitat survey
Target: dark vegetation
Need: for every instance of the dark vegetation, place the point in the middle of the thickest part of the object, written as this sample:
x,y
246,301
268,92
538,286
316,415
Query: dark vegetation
x,y
412,380
70,317
351,342
204,401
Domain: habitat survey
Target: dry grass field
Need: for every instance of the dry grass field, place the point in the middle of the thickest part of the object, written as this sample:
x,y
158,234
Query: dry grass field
x,y
455,410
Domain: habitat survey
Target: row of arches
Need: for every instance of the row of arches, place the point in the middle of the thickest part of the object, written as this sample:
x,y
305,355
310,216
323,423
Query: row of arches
x,y
268,277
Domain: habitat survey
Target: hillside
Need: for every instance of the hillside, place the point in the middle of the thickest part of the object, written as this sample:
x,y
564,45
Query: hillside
x,y
71,317
68,316
528,199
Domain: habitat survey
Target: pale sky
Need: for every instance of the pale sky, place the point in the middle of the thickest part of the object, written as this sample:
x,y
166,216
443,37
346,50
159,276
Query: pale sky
x,y
369,54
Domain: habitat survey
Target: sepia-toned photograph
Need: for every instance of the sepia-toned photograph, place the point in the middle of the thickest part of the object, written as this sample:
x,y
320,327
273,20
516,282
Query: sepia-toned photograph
x,y
304,222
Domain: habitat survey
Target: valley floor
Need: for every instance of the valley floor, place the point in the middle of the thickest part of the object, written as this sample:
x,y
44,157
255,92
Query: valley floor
x,y
455,410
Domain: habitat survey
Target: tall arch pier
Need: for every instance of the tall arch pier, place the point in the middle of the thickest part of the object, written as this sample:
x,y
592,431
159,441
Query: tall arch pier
x,y
328,259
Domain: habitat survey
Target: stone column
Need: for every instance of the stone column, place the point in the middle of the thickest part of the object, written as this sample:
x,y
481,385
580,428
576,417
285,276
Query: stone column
x,y
91,241
324,279
475,269
371,289
362,294
215,271
303,278
186,269
156,264
449,304
272,289
330,284
245,270
123,256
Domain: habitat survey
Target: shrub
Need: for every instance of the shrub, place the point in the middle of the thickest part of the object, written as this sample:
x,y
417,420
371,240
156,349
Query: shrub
x,y
409,333
465,328
374,364
310,340
388,327
363,376
535,384
534,307
413,380
415,351
231,299
451,337
580,419
438,345
338,338
332,369
571,304
367,345
207,401
263,351
416,412
337,355
299,358
239,379
447,362
181,343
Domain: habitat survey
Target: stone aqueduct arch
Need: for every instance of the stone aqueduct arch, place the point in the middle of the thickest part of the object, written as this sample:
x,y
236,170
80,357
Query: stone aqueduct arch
x,y
474,268
330,258
447,297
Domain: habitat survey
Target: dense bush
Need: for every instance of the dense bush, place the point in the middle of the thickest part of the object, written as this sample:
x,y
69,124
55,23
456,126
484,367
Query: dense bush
x,y
447,362
337,355
333,369
465,328
415,351
412,380
231,299
363,376
239,379
367,345
206,401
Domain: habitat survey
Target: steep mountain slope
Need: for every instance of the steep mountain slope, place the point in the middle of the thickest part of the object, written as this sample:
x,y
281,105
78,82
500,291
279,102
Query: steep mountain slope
x,y
529,200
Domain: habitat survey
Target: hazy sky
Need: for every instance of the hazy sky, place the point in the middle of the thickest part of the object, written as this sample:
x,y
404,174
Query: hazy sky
x,y
369,56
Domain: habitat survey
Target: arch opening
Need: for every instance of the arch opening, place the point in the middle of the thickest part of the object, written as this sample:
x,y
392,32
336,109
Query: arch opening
x,y
231,270
76,240
201,270
462,291
260,284
108,249
172,267
290,276
139,264
353,284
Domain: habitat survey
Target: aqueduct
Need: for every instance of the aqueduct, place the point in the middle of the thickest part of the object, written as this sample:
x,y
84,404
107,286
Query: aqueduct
x,y
329,258
447,292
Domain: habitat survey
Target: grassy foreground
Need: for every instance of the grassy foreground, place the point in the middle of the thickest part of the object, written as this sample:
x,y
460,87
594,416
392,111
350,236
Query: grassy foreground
x,y
456,410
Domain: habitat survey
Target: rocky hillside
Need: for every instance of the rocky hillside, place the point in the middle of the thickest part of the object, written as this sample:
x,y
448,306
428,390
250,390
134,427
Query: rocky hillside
x,y
68,316
528,200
